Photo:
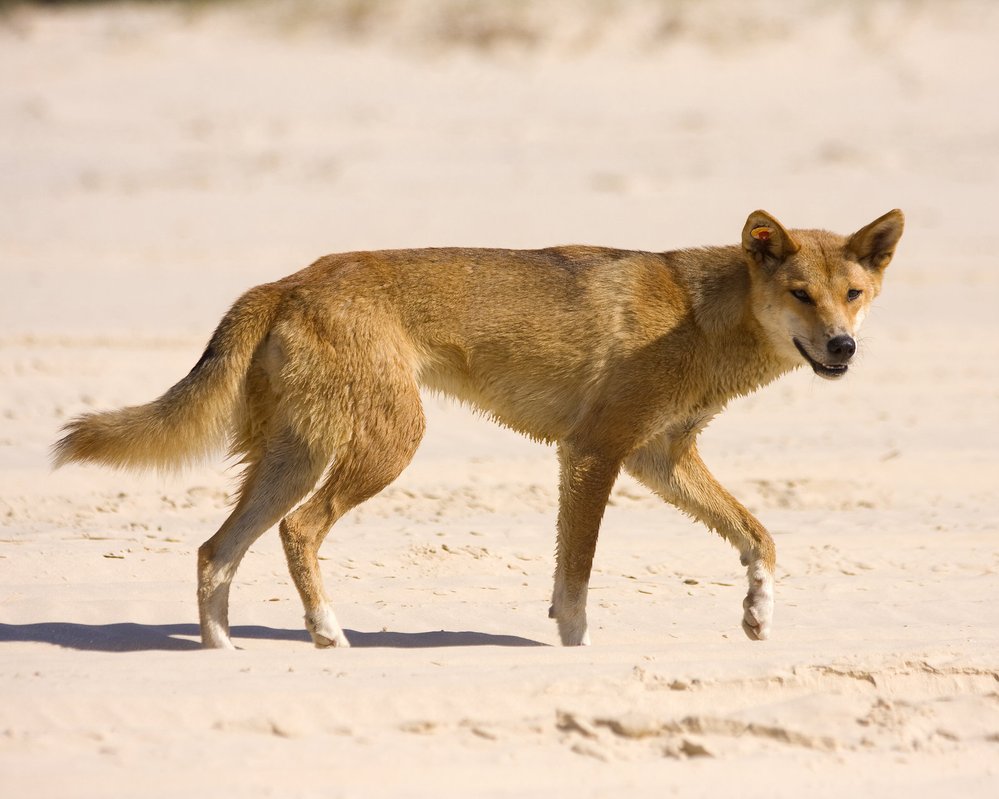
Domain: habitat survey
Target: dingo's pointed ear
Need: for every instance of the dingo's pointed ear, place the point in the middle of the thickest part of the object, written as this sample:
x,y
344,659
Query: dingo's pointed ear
x,y
874,245
766,241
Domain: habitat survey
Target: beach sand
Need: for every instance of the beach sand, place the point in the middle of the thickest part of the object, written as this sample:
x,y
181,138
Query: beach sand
x,y
157,160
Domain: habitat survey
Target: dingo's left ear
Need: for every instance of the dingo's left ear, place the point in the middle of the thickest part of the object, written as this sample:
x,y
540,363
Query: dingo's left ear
x,y
874,245
766,241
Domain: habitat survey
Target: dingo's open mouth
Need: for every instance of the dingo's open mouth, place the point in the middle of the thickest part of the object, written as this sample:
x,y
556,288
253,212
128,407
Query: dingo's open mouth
x,y
821,369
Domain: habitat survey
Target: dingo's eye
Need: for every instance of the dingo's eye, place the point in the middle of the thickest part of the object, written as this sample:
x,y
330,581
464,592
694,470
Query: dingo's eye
x,y
852,294
801,296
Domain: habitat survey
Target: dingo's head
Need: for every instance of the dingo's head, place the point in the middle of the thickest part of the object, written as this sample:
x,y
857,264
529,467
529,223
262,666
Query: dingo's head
x,y
811,289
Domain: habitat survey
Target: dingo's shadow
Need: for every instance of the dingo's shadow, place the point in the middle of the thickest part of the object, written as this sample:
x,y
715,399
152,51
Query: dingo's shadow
x,y
131,637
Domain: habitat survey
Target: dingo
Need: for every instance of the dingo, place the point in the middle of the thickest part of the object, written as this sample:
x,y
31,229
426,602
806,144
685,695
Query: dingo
x,y
620,358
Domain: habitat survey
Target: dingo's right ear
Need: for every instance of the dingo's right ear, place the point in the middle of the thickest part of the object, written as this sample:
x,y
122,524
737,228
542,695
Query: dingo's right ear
x,y
766,241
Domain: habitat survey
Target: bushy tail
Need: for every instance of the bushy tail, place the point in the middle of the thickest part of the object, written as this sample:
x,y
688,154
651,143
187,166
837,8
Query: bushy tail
x,y
193,418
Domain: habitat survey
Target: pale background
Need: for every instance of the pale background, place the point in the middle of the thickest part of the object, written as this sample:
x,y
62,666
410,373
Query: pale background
x,y
158,159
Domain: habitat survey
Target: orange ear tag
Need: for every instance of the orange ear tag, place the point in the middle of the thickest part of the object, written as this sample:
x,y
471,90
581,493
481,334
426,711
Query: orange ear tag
x,y
760,233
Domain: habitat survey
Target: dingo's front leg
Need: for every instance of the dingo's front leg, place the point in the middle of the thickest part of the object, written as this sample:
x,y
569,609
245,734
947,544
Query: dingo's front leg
x,y
585,484
675,471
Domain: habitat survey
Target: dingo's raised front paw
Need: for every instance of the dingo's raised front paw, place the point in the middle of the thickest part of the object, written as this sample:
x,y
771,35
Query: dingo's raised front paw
x,y
757,618
758,606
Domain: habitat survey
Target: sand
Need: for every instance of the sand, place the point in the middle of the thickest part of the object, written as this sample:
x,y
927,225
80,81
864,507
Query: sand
x,y
156,160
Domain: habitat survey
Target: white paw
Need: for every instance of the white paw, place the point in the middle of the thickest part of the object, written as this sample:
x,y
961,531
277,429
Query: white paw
x,y
758,606
573,631
327,641
570,614
215,636
217,643
324,629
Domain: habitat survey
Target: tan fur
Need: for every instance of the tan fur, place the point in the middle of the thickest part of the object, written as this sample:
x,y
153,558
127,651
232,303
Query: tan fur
x,y
620,358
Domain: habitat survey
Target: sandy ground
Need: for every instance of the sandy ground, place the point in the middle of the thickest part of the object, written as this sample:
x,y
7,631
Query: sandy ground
x,y
155,162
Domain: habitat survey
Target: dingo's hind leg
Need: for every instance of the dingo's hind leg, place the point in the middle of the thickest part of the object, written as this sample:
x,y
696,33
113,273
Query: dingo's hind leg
x,y
385,431
286,470
585,484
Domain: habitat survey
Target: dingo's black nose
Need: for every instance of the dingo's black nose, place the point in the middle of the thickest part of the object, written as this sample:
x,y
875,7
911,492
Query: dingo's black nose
x,y
842,347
